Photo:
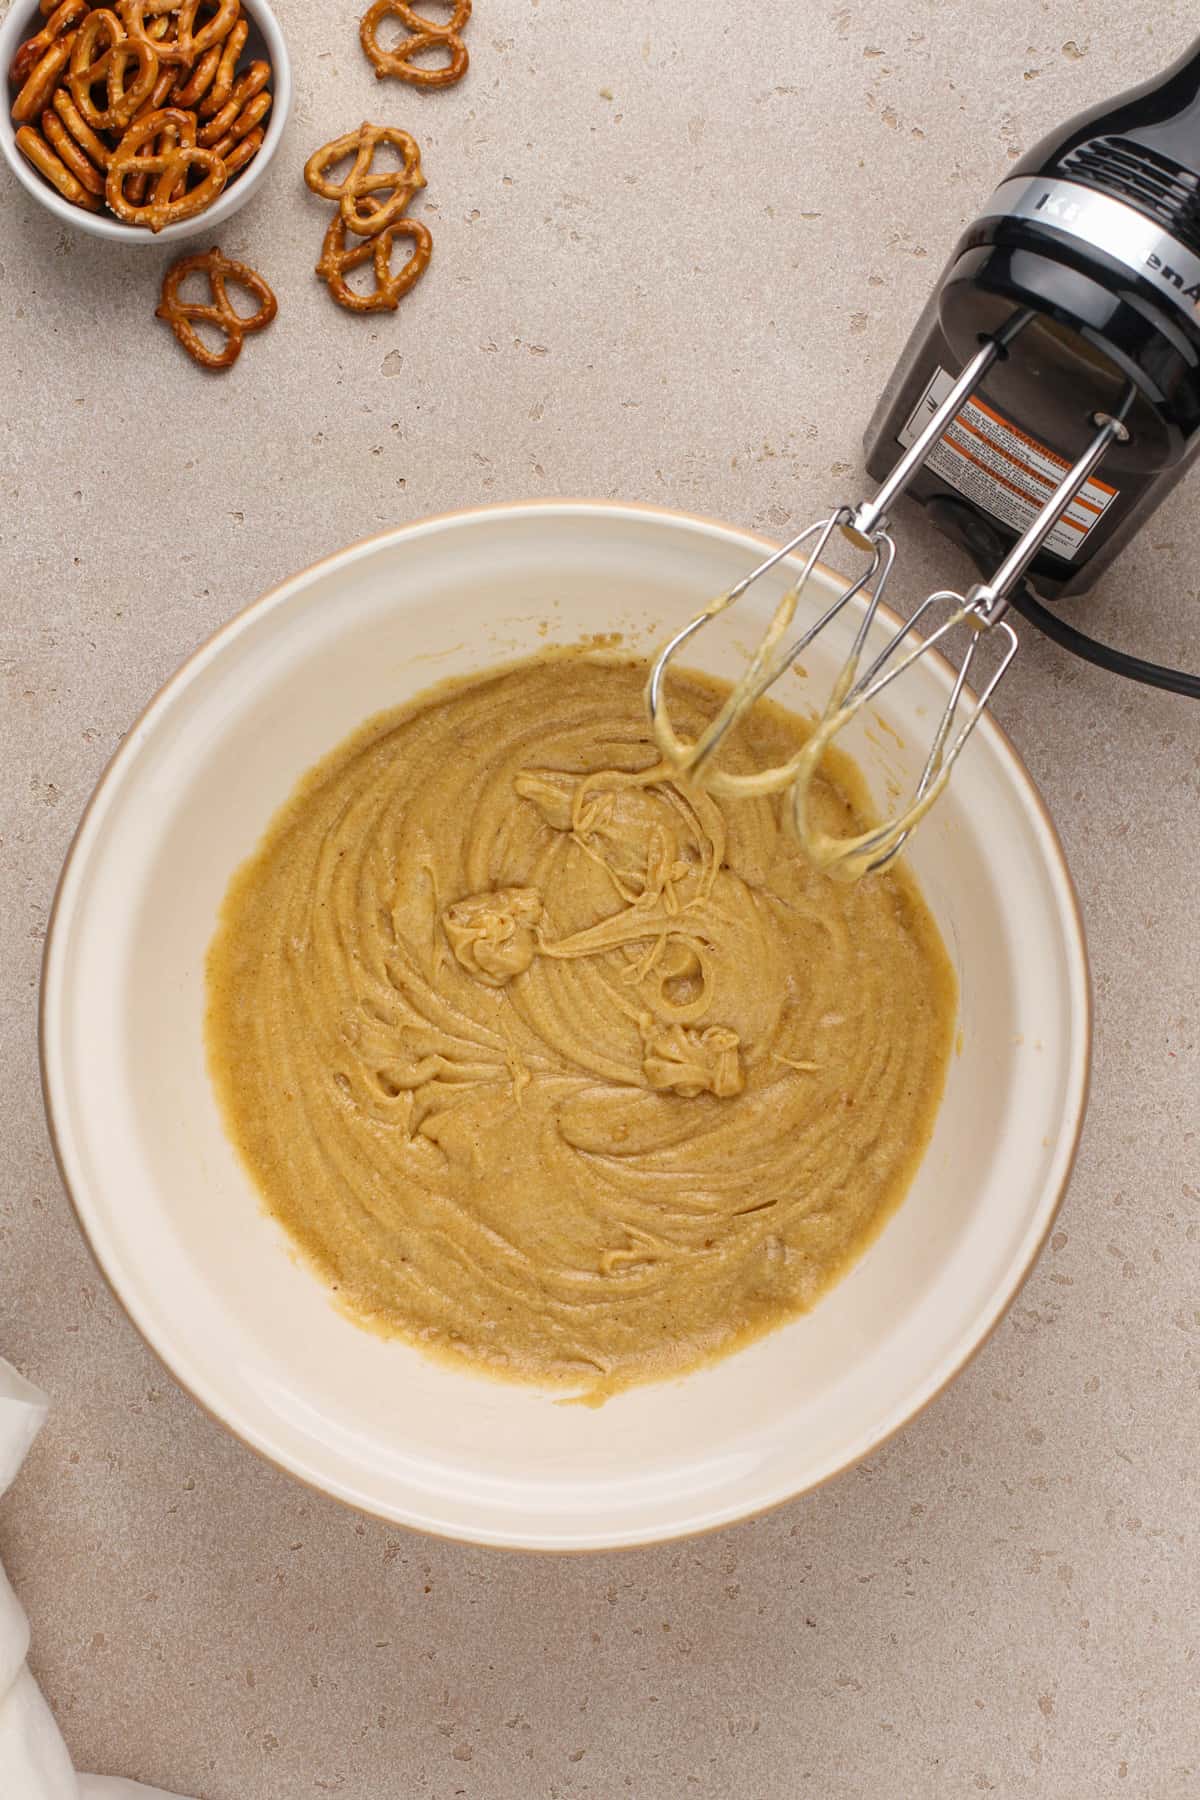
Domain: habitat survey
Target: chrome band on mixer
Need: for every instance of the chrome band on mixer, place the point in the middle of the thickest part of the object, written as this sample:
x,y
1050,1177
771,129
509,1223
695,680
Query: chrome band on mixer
x,y
1107,225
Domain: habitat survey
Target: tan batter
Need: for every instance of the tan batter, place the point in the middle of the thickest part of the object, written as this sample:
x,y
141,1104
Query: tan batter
x,y
553,1064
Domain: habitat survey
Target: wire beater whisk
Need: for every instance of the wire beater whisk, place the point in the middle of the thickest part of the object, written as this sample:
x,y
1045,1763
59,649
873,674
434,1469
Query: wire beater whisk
x,y
976,615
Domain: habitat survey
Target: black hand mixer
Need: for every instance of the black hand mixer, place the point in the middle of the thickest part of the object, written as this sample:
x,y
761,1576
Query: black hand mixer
x,y
1045,405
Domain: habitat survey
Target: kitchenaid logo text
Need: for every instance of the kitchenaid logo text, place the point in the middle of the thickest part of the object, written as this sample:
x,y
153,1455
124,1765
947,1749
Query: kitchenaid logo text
x,y
1059,206
1068,212
1159,267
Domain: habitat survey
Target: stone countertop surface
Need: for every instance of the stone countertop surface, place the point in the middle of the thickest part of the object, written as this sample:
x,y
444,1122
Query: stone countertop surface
x,y
678,245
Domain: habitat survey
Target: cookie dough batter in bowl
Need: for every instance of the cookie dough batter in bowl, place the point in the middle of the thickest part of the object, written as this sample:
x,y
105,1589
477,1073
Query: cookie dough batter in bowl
x,y
555,1065
215,1281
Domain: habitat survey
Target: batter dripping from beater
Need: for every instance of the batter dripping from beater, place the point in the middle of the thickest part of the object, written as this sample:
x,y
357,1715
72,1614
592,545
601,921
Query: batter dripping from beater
x,y
844,857
554,1064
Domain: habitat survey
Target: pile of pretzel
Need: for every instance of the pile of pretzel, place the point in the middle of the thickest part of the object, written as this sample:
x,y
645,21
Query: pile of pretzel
x,y
144,108
370,205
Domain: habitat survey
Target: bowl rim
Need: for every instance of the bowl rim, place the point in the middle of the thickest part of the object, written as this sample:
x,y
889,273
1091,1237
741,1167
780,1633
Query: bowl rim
x,y
126,752
14,27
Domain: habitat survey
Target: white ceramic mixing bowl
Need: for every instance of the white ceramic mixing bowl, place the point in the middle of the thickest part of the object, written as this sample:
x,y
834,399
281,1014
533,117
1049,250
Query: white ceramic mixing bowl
x,y
210,1280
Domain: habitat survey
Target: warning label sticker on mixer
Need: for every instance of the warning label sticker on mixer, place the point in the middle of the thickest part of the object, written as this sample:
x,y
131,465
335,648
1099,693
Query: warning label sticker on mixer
x,y
992,462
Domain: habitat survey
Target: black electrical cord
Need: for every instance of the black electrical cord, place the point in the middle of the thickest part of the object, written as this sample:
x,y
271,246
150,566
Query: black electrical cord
x,y
1175,681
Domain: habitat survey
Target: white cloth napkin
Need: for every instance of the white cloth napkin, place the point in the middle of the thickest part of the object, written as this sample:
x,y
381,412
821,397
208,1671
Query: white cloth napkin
x,y
34,1764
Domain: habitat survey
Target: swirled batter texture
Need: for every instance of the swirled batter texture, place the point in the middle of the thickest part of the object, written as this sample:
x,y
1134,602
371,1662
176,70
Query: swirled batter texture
x,y
555,1064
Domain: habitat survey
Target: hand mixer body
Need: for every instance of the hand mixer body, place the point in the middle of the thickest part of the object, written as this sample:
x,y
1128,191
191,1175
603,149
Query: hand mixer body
x,y
1085,267
1046,404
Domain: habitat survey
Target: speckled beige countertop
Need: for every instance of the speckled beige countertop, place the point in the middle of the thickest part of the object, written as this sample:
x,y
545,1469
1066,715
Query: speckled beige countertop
x,y
678,245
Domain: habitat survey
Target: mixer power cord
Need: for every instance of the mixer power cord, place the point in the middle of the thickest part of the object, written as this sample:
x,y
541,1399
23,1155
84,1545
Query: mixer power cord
x,y
1117,662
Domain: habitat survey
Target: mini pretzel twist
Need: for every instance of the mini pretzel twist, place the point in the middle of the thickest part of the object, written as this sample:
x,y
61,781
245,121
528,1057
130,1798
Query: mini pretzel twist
x,y
30,53
372,215
183,315
93,147
244,151
42,80
82,168
137,186
188,44
423,34
248,87
161,94
336,262
33,145
248,120
188,89
169,163
223,78
111,66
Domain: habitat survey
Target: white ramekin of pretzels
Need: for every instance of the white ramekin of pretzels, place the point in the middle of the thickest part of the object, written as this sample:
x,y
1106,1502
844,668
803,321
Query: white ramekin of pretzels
x,y
141,119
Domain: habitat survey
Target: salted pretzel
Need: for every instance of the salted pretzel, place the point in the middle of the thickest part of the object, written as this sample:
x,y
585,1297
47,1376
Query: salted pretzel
x,y
423,34
33,145
137,185
226,70
169,164
111,66
359,211
31,52
188,42
183,315
337,262
247,121
247,88
244,151
93,146
191,85
43,78
161,94
68,151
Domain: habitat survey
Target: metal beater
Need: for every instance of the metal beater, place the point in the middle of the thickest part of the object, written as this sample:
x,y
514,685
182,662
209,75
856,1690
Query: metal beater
x,y
1071,309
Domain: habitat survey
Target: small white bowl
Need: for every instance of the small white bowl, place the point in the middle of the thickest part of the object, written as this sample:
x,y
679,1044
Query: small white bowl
x,y
209,1279
24,19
